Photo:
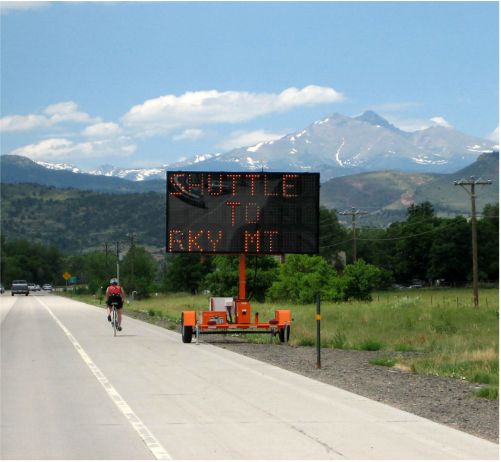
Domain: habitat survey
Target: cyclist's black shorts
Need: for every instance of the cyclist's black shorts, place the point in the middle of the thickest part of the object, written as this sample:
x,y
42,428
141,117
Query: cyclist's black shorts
x,y
118,300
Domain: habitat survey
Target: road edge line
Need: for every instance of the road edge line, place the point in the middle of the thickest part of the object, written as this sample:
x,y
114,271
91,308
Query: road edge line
x,y
151,442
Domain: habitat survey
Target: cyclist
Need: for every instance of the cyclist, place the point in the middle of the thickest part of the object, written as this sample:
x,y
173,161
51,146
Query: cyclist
x,y
115,293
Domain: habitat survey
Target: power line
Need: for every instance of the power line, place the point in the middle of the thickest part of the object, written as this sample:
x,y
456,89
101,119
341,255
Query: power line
x,y
397,238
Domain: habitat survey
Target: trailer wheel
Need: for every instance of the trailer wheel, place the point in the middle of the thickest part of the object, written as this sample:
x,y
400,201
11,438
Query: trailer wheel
x,y
186,332
284,334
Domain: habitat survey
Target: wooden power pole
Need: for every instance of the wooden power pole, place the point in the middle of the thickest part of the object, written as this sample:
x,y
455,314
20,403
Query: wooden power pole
x,y
471,191
354,214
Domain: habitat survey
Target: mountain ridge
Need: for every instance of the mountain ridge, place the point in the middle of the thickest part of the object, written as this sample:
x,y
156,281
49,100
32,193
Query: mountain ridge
x,y
336,145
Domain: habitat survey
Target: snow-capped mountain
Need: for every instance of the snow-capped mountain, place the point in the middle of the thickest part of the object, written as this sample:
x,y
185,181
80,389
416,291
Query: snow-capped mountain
x,y
133,174
337,146
69,168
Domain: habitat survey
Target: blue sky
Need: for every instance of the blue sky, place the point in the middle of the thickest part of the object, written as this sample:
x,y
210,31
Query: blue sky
x,y
143,84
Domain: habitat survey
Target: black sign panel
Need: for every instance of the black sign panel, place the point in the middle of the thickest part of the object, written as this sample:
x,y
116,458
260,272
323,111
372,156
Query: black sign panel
x,y
242,212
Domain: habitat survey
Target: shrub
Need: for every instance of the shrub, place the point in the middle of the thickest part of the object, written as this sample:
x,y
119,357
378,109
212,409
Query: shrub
x,y
371,345
488,392
339,341
306,342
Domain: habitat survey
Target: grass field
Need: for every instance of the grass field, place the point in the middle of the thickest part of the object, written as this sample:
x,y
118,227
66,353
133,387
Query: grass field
x,y
458,340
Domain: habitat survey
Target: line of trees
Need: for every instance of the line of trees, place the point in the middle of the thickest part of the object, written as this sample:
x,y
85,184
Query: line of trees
x,y
423,247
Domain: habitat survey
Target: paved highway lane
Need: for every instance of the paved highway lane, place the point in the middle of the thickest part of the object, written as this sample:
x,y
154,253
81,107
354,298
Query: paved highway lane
x,y
70,390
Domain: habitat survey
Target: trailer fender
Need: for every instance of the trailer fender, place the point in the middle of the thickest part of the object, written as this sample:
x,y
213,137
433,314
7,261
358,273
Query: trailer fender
x,y
283,316
190,318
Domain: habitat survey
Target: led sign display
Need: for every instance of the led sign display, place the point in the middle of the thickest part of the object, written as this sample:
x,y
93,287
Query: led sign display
x,y
242,212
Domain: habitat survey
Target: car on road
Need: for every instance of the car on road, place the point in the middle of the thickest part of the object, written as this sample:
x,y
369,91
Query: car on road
x,y
37,288
20,287
47,287
2,289
32,287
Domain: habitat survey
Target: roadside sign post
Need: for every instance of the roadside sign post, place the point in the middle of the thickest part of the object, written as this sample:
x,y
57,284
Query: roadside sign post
x,y
66,276
318,318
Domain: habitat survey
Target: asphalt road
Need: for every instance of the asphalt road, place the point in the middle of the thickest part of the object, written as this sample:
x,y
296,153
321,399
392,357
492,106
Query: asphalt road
x,y
71,390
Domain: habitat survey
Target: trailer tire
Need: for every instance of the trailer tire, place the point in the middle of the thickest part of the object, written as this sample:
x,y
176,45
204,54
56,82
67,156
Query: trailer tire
x,y
186,332
284,334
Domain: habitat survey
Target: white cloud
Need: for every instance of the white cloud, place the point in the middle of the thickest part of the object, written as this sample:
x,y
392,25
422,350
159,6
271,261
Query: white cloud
x,y
102,130
53,115
166,113
192,134
494,136
241,138
441,121
412,125
60,149
23,123
6,7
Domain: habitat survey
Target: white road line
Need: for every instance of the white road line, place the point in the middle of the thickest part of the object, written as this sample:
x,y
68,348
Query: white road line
x,y
153,445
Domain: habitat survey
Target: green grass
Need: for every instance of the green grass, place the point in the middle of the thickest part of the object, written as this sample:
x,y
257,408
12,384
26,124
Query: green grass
x,y
384,360
458,340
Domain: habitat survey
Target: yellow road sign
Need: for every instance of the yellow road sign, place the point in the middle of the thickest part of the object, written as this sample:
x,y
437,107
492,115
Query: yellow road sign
x,y
66,275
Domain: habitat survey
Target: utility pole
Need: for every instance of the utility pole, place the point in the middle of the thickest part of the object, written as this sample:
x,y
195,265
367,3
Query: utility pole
x,y
354,214
118,261
471,191
106,249
132,237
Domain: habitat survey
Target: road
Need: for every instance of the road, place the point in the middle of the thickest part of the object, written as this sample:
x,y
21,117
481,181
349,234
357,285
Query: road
x,y
70,390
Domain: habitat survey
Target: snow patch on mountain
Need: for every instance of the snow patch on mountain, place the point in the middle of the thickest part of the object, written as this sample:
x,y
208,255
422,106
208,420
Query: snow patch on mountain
x,y
68,168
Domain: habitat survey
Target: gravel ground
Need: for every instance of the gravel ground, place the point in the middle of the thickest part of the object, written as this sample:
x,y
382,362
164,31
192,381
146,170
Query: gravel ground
x,y
444,400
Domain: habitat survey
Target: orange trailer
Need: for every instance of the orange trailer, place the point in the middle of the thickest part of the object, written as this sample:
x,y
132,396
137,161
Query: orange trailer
x,y
233,315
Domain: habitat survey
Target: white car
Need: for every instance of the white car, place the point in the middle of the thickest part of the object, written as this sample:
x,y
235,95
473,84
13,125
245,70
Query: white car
x,y
47,287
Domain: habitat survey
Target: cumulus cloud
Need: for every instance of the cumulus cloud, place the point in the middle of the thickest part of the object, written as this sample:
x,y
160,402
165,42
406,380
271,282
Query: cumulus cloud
x,y
192,134
494,136
6,7
52,115
170,112
61,149
103,130
241,138
412,125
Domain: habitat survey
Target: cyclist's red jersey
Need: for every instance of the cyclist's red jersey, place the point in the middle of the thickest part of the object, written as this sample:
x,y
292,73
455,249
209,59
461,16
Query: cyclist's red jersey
x,y
114,289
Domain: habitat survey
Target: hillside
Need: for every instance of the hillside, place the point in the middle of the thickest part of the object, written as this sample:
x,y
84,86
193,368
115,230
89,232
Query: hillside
x,y
387,194
18,169
80,221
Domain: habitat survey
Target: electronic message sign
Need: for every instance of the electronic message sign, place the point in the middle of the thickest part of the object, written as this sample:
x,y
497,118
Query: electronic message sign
x,y
242,212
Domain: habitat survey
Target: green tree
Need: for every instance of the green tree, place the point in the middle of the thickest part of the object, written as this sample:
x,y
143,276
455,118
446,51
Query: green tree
x,y
145,272
450,252
488,243
357,283
186,273
331,234
260,273
301,277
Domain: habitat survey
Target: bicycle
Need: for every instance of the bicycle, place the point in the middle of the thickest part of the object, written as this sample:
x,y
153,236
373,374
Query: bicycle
x,y
114,317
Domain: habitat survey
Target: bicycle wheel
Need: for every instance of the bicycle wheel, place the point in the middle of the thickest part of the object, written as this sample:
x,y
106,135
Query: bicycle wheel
x,y
115,320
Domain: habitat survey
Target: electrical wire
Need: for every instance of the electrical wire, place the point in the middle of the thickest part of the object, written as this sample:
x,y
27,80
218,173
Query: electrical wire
x,y
394,238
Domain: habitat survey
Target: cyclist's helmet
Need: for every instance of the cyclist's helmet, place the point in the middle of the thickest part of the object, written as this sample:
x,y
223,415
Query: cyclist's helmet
x,y
113,281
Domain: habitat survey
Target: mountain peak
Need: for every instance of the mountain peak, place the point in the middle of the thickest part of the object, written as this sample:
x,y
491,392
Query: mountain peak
x,y
375,119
